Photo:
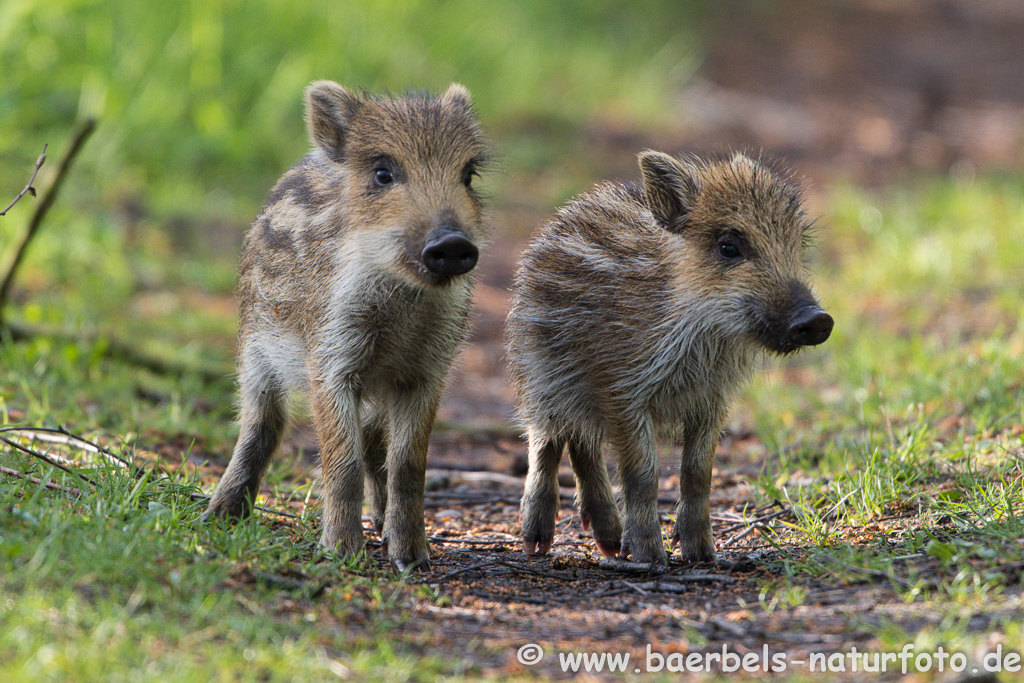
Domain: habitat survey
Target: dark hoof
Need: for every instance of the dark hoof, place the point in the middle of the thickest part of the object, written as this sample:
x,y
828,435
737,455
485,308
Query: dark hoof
x,y
532,548
609,548
655,555
411,565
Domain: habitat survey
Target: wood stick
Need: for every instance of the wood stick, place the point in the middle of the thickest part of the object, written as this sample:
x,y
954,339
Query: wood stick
x,y
30,188
49,197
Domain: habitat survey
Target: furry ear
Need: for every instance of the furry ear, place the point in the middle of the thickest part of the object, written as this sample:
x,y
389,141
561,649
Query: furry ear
x,y
330,109
457,95
671,188
739,159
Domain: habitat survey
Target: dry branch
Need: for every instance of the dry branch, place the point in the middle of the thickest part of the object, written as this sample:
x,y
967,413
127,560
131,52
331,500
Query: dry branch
x,y
30,188
462,570
758,524
49,197
64,437
45,458
617,565
680,587
757,520
472,541
498,597
35,480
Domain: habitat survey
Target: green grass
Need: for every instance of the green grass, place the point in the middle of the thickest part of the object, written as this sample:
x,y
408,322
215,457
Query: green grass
x,y
900,442
121,584
48,381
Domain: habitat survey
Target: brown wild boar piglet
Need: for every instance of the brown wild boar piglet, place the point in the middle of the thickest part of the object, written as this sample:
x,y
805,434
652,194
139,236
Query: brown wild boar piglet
x,y
355,286
642,309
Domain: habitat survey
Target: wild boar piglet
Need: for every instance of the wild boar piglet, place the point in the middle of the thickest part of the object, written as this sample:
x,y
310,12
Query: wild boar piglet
x,y
355,286
640,310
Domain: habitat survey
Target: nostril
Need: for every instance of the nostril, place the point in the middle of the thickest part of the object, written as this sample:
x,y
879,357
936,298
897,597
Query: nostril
x,y
450,254
810,328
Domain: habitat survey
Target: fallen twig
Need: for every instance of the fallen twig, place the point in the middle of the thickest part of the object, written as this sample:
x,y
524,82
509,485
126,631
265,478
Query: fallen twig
x,y
610,592
63,436
751,524
472,541
723,625
695,577
45,458
726,578
527,569
670,583
461,570
738,519
35,480
617,565
30,188
529,599
759,524
662,587
739,537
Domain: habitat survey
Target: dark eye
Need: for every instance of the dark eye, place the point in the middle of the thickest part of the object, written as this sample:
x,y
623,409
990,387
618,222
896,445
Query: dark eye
x,y
729,251
382,176
467,175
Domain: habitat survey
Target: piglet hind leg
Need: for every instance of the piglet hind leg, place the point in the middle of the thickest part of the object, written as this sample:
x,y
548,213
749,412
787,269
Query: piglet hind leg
x,y
539,506
638,473
594,495
376,475
262,421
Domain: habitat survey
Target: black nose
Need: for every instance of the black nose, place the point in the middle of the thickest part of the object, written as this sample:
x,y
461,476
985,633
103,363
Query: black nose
x,y
450,253
810,326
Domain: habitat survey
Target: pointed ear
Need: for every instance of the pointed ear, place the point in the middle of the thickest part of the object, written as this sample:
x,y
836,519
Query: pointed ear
x,y
457,95
671,188
330,109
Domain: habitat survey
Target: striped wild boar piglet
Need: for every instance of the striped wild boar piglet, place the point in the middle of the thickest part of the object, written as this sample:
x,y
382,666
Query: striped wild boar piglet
x,y
355,286
640,310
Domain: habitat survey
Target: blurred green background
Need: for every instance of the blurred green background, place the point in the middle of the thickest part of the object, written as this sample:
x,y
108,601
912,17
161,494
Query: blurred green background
x,y
200,103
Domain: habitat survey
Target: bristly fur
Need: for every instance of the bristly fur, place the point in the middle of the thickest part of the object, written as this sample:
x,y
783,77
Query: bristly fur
x,y
627,320
336,299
